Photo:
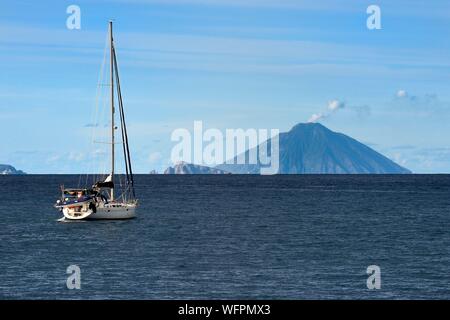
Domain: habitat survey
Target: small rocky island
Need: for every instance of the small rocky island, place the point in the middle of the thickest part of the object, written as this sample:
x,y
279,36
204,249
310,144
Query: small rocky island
x,y
8,169
189,168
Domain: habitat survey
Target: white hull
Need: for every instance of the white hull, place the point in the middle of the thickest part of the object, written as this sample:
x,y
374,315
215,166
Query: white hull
x,y
127,212
110,211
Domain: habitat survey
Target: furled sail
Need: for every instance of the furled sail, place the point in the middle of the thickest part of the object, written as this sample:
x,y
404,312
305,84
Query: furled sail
x,y
107,183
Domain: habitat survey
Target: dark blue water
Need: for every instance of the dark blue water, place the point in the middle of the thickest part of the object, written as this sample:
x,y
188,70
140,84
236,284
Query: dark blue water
x,y
294,237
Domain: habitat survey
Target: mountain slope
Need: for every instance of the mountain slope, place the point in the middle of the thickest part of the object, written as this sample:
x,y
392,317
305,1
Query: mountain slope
x,y
313,148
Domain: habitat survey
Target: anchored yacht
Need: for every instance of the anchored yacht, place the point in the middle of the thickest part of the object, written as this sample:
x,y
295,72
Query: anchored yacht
x,y
99,200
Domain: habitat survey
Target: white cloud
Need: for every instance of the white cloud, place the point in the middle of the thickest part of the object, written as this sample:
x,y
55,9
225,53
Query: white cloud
x,y
332,107
315,117
98,153
401,93
53,158
76,156
428,104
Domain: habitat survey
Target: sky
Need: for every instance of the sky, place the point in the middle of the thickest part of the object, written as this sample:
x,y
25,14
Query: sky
x,y
229,63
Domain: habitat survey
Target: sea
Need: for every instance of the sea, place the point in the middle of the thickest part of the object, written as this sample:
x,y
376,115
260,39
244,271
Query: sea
x,y
233,237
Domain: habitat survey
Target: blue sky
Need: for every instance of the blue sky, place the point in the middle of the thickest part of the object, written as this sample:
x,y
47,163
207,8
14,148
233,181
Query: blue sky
x,y
232,64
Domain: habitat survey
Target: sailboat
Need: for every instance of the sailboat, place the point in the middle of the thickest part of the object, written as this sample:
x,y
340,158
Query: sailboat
x,y
99,200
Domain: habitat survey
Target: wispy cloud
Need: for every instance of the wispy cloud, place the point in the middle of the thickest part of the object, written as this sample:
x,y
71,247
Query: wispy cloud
x,y
91,125
333,106
216,53
361,111
323,5
420,159
399,7
403,147
427,104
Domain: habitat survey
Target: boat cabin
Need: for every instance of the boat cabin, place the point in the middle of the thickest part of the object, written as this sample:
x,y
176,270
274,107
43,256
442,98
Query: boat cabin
x,y
69,194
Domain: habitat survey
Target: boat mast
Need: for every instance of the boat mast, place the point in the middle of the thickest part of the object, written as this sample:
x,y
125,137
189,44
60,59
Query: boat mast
x,y
126,148
112,104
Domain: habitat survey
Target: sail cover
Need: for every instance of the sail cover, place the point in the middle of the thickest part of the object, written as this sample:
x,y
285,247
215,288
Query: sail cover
x,y
107,183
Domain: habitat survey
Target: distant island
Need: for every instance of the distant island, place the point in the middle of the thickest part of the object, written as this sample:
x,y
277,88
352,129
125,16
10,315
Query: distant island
x,y
8,169
310,148
189,168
